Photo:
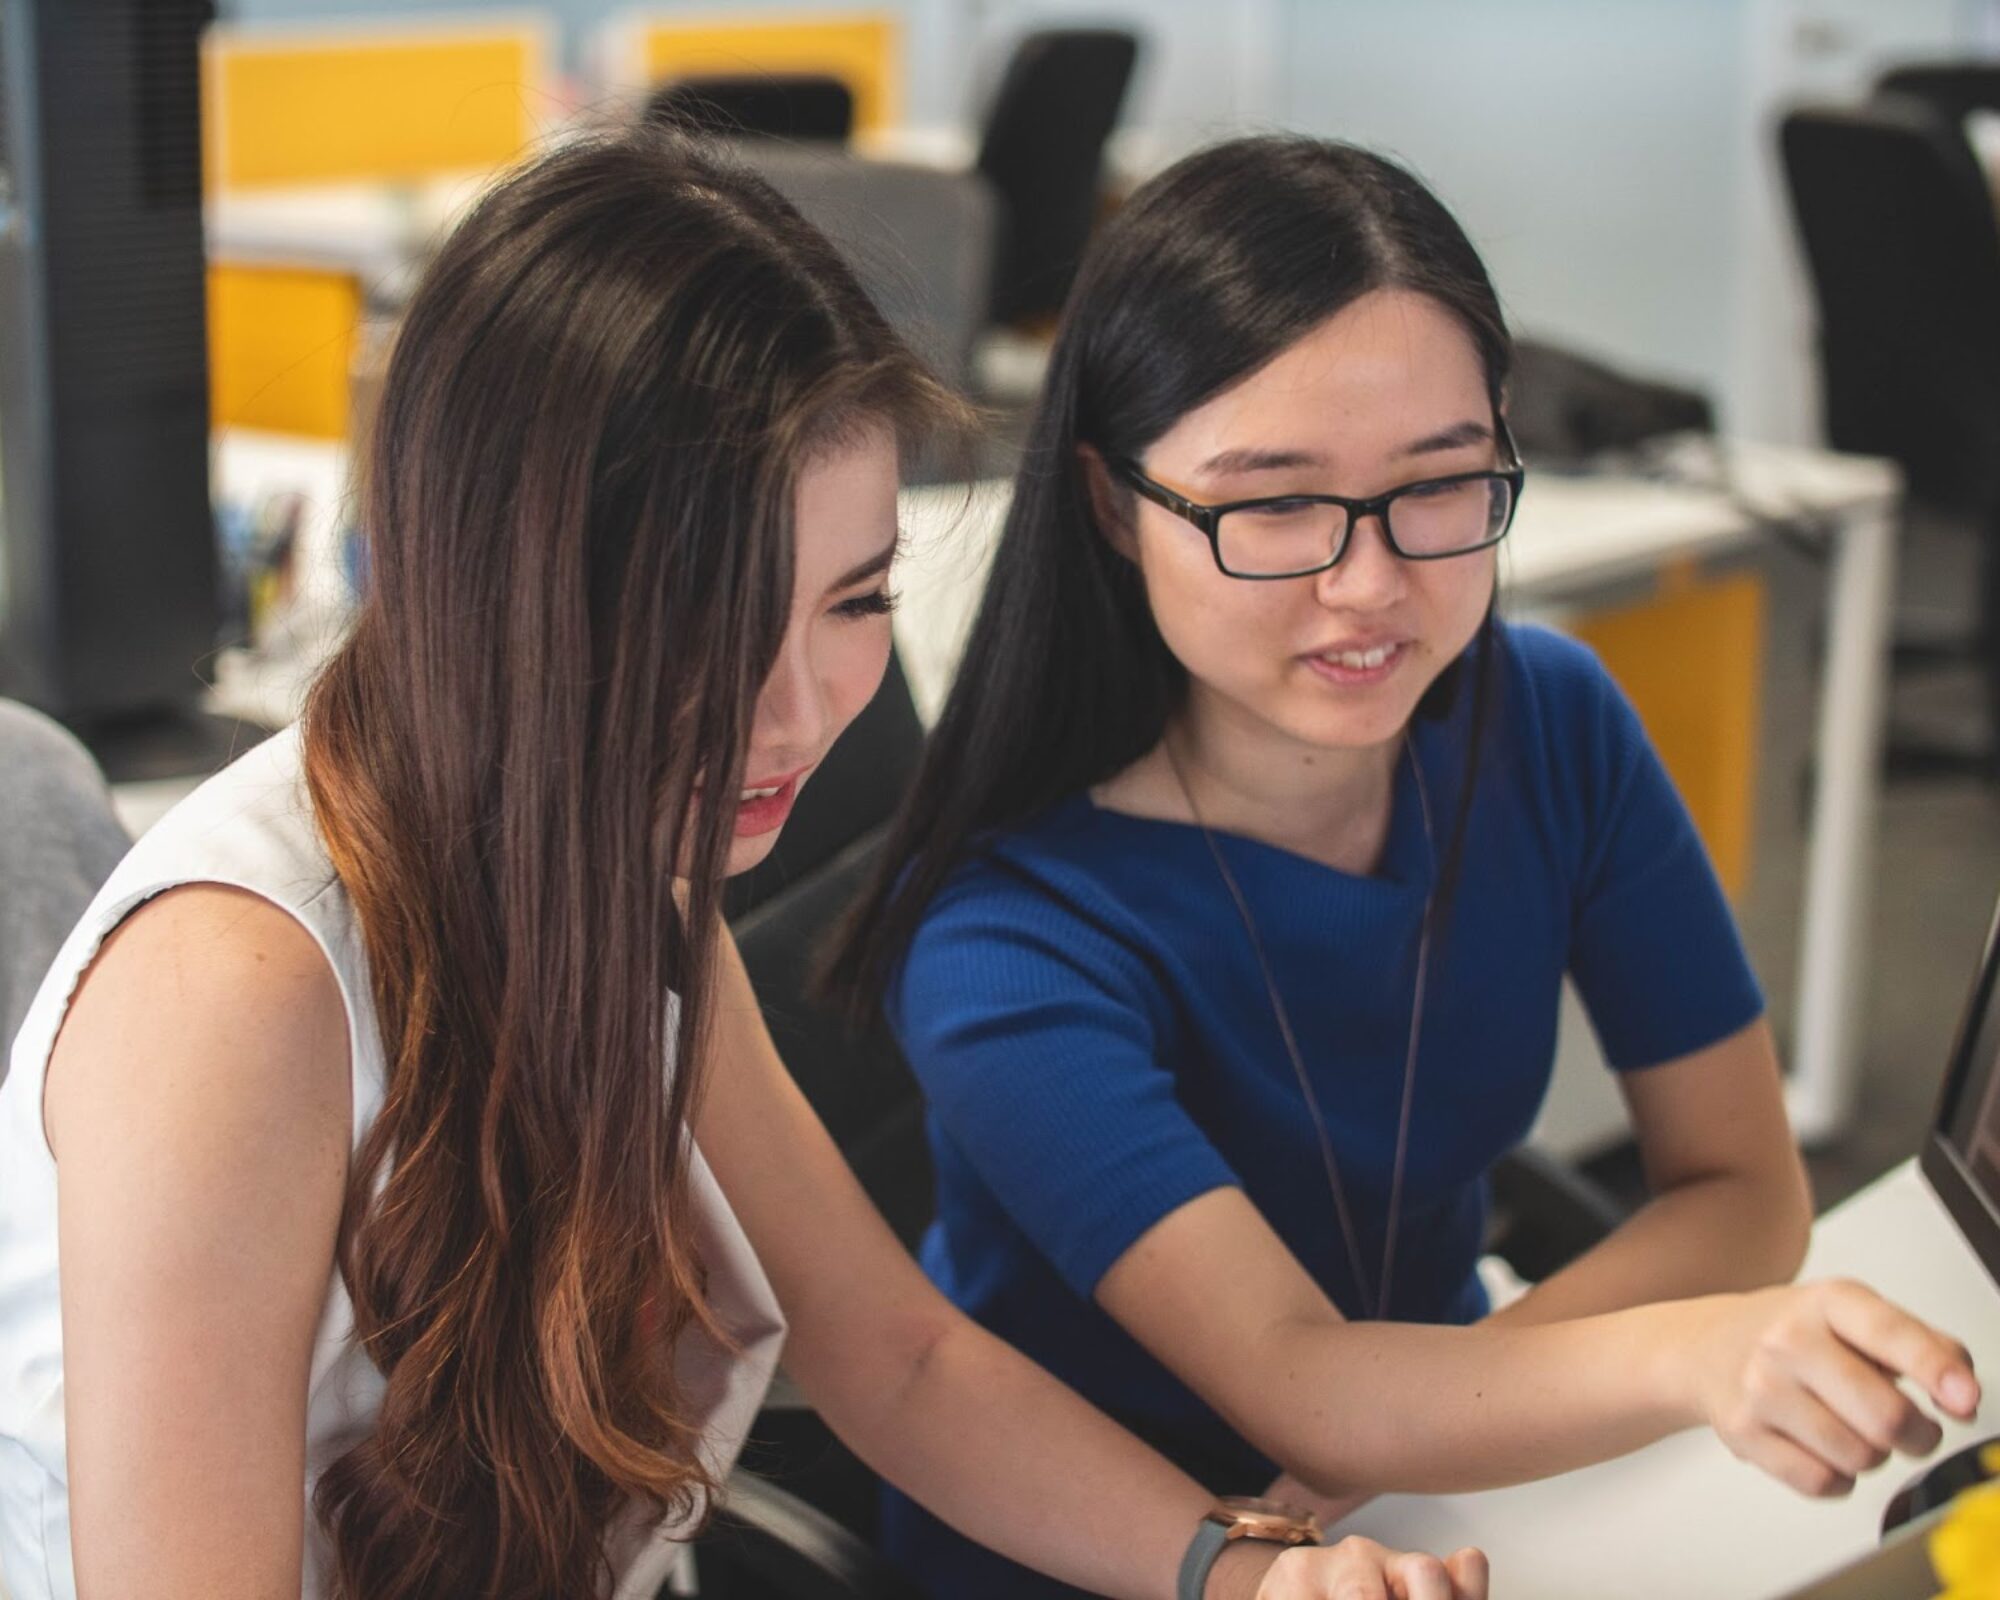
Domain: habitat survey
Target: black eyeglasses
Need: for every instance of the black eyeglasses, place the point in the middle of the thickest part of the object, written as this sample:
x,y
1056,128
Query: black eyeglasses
x,y
1294,535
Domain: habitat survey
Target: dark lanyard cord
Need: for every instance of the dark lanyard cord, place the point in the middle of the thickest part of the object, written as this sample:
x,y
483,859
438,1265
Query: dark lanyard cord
x,y
1372,1306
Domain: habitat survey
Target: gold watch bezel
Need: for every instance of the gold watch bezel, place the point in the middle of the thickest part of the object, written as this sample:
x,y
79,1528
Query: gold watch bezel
x,y
1269,1521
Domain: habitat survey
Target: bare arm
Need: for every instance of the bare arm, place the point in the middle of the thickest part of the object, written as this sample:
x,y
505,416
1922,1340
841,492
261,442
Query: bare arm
x,y
1792,1379
198,1107
1731,1208
972,1429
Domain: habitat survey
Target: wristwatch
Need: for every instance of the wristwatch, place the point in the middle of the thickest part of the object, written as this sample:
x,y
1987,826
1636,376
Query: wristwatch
x,y
1240,1517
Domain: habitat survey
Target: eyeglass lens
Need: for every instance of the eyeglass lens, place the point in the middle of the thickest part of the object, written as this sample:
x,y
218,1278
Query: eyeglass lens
x,y
1289,536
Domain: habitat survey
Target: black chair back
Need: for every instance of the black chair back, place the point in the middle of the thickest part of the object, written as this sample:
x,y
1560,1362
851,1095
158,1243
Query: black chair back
x,y
856,790
920,239
1955,89
1043,152
1900,240
804,1517
857,1082
795,106
781,914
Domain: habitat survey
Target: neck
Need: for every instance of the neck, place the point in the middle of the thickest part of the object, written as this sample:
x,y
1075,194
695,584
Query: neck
x,y
1245,777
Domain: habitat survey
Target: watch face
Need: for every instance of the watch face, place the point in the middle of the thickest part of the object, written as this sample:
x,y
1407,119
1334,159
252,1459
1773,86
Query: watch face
x,y
1251,1518
1250,1504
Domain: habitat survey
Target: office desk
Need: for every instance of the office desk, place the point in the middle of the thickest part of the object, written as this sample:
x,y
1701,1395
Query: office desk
x,y
1683,1518
1579,534
380,232
1575,537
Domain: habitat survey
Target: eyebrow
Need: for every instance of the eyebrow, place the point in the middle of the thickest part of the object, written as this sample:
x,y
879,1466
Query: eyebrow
x,y
1227,463
873,567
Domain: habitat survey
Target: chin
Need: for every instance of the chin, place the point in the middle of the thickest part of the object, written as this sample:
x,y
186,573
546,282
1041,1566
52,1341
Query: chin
x,y
747,853
1350,727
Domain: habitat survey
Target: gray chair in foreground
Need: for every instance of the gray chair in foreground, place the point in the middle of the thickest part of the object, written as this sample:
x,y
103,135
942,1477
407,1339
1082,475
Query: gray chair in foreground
x,y
59,840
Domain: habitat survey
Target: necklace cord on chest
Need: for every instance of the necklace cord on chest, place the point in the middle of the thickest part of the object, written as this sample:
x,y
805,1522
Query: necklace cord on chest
x,y
1374,1304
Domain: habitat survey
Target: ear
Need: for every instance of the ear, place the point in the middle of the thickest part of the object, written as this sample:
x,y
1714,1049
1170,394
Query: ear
x,y
1110,506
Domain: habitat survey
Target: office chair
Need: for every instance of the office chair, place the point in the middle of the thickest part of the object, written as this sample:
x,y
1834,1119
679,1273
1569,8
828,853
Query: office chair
x,y
919,238
61,841
767,105
1954,89
1546,1214
1043,152
855,791
767,1544
799,1518
782,909
1900,241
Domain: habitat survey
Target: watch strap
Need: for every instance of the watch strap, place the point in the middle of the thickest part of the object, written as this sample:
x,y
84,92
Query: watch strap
x,y
1209,1538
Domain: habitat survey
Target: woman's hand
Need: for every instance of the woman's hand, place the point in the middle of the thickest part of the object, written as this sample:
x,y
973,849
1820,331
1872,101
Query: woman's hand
x,y
1803,1381
1361,1569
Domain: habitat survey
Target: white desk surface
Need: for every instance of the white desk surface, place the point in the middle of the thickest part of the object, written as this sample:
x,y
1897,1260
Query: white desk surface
x,y
1683,1518
376,230
1579,532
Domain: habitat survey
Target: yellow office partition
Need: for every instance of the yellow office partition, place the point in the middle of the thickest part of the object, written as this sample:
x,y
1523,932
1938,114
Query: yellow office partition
x,y
1692,660
290,106
862,49
280,346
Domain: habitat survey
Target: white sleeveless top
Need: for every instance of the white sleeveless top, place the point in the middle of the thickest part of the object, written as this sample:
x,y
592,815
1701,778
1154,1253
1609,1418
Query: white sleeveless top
x,y
251,827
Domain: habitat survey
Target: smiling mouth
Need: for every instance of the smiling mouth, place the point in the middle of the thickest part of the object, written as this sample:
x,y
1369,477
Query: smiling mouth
x,y
1361,660
1359,667
763,808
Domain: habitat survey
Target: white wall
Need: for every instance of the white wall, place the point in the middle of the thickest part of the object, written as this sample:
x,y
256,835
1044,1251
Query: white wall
x,y
1586,147
1612,158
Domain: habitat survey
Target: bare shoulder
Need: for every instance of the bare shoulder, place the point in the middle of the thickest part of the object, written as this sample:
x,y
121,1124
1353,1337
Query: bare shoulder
x,y
206,1002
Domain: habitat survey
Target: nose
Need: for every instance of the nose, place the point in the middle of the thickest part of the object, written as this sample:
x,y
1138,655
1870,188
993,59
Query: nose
x,y
1369,575
791,711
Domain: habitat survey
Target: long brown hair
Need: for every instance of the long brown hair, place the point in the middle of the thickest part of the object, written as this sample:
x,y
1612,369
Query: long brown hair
x,y
578,504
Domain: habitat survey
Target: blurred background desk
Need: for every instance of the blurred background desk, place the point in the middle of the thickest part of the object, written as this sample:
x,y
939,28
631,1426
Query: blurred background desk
x,y
1684,1517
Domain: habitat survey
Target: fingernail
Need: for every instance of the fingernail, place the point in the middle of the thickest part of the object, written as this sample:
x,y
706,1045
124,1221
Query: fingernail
x,y
1958,1391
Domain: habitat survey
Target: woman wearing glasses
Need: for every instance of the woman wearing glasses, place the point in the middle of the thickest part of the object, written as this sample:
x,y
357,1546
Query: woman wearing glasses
x,y
1228,920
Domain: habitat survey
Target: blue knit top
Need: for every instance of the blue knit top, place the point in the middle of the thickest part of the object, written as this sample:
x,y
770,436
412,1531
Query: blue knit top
x,y
1089,1021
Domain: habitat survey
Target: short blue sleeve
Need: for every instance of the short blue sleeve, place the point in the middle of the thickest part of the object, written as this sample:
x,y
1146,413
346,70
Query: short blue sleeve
x,y
1654,949
1038,1037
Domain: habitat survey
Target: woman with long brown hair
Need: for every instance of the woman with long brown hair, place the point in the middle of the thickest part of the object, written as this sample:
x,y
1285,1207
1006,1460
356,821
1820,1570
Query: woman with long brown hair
x,y
353,1239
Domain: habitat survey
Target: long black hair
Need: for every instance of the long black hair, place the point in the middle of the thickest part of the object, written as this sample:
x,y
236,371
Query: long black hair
x,y
1211,270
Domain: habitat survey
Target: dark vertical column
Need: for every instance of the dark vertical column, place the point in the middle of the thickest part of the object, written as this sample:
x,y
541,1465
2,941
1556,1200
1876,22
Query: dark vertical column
x,y
108,590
